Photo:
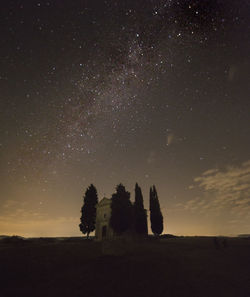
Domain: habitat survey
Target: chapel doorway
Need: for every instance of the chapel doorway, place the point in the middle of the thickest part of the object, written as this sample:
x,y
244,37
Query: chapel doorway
x,y
104,231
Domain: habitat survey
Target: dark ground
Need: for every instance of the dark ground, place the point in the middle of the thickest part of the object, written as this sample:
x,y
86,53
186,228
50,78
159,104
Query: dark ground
x,y
189,266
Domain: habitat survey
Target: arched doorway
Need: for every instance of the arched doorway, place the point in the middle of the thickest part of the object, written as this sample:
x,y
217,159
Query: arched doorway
x,y
104,231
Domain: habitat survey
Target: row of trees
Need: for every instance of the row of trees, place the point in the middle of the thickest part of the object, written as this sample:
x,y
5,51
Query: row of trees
x,y
125,216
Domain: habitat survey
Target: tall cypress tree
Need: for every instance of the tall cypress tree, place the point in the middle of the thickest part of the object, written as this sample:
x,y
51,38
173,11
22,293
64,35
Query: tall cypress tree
x,y
88,210
121,210
156,217
140,215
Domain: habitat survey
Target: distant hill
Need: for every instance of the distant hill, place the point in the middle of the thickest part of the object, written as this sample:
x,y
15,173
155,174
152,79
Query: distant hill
x,y
4,236
244,235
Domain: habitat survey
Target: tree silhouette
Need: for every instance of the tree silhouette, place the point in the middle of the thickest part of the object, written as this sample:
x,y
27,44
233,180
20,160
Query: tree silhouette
x,y
88,210
156,217
140,215
121,210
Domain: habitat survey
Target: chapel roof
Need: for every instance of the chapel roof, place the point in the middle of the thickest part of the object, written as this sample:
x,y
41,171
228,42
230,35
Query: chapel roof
x,y
104,201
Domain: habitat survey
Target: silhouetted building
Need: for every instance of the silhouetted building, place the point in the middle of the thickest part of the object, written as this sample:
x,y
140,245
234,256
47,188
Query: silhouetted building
x,y
103,228
103,213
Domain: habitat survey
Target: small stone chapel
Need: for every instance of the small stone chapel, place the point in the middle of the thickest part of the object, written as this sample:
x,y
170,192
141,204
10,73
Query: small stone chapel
x,y
103,228
103,213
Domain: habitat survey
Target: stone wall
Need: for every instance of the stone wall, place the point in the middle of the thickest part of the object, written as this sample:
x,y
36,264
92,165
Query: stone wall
x,y
103,214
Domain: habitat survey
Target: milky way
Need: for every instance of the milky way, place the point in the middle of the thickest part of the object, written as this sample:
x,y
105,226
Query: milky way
x,y
108,92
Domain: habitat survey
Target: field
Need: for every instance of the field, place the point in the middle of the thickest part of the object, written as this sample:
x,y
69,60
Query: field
x,y
183,266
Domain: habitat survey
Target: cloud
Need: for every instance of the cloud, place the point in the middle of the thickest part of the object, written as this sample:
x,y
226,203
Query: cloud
x,y
14,209
32,227
210,171
223,190
17,217
170,139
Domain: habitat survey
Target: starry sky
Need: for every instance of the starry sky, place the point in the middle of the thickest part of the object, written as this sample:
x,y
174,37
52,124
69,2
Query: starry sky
x,y
103,92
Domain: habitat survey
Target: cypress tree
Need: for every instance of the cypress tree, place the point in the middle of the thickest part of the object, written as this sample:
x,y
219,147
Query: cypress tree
x,y
156,217
88,210
121,210
140,215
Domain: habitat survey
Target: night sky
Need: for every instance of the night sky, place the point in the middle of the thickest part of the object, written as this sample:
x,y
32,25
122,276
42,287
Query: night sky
x,y
103,92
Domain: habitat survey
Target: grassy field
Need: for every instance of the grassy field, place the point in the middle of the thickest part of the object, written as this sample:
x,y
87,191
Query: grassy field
x,y
187,266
